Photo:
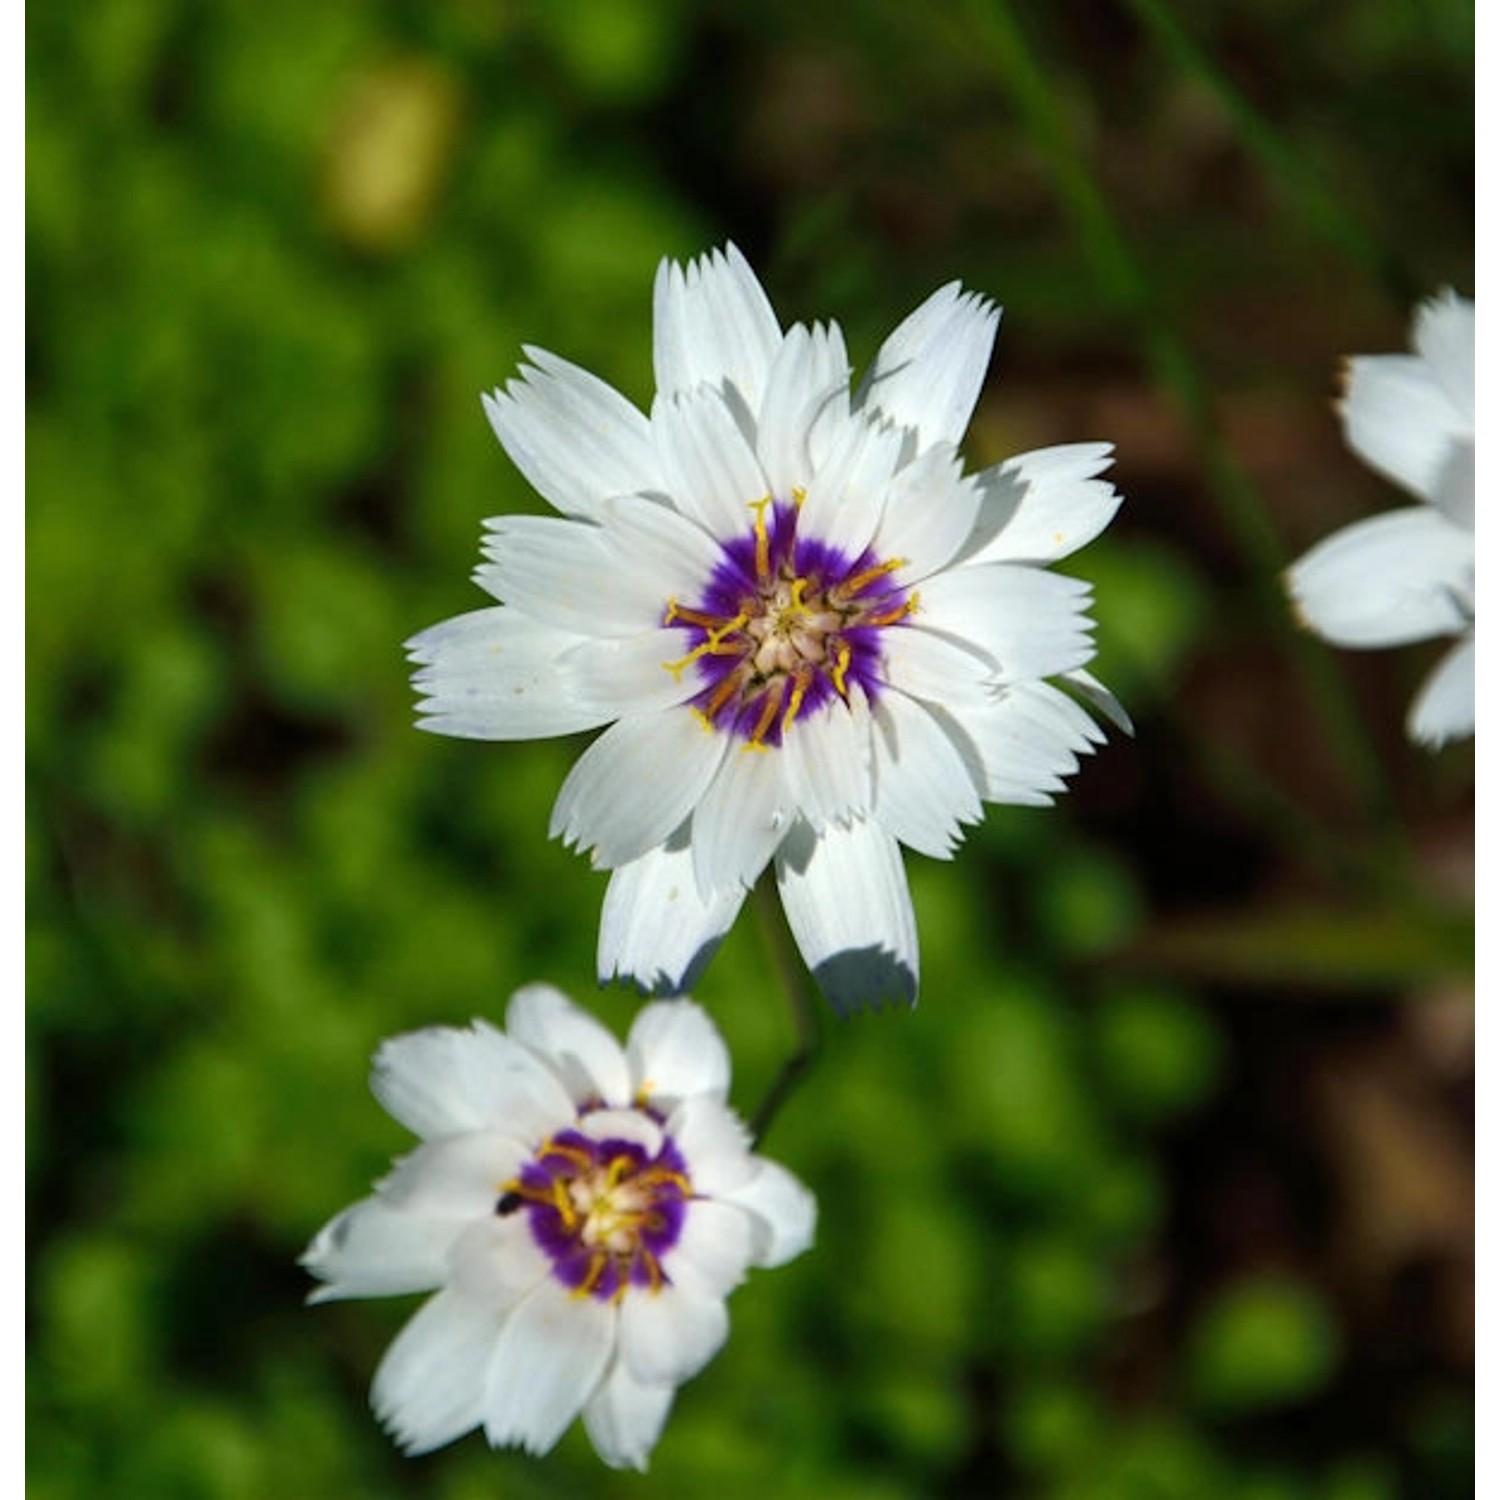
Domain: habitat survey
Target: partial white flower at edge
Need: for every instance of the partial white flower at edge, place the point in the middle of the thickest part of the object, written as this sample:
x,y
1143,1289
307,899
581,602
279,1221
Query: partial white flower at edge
x,y
1408,575
581,1212
812,636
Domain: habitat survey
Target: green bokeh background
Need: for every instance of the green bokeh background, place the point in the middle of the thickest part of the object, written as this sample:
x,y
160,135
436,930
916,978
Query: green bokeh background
x,y
1165,1188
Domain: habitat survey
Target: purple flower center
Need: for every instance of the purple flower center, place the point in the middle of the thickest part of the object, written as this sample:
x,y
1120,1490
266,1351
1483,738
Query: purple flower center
x,y
604,1211
786,625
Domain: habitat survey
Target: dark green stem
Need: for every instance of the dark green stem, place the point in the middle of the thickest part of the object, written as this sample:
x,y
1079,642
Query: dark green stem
x,y
787,963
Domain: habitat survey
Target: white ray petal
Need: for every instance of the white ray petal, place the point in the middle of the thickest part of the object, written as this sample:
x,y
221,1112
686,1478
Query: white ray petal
x,y
713,323
848,906
807,396
656,928
575,438
583,1053
625,1418
924,790
846,497
634,785
1032,622
784,1211
1041,506
708,467
1399,418
675,1051
1388,580
1444,709
929,372
740,819
496,674
929,513
429,1388
551,1355
829,762
667,1336
1444,336
575,576
447,1079
374,1250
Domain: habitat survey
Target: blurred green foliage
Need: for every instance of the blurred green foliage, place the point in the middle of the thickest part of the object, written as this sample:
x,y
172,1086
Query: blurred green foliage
x,y
275,252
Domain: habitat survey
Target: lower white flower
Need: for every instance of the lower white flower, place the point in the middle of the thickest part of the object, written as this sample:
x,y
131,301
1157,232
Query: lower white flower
x,y
582,1210
808,636
1408,575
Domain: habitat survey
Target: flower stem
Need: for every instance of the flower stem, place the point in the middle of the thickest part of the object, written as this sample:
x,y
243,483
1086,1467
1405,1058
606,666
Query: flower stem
x,y
786,961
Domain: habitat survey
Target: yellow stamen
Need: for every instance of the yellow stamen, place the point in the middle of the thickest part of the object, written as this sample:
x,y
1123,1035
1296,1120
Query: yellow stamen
x,y
597,1263
762,537
676,612
840,670
861,581
890,616
770,707
798,495
801,681
713,646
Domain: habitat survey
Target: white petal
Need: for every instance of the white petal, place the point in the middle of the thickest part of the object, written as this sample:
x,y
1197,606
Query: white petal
x,y
667,1336
1444,337
675,1052
569,1040
635,784
846,497
550,1357
626,1417
785,1213
576,439
936,667
429,1388
1040,506
713,323
495,674
497,1263
1099,697
807,397
1453,492
718,1241
373,1250
829,762
714,1143
708,467
1444,709
626,675
848,907
929,514
924,790
1394,578
574,575
444,1080
1400,420
741,819
1032,622
929,372
631,1125
456,1177
656,928
1026,742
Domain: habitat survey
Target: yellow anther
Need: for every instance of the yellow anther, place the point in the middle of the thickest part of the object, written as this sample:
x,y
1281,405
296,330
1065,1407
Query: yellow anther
x,y
890,616
762,537
769,708
840,670
794,604
801,681
861,581
713,646
798,495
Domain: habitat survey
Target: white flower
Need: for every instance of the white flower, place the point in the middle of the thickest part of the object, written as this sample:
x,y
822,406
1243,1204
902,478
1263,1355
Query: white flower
x,y
812,637
581,1211
1408,575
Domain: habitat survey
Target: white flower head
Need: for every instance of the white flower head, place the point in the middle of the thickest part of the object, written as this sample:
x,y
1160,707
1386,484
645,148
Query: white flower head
x,y
581,1211
812,637
1408,575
